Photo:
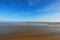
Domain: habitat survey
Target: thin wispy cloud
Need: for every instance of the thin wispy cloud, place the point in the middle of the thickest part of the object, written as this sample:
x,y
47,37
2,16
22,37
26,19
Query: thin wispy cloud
x,y
54,17
20,14
56,14
53,6
33,2
1,5
29,2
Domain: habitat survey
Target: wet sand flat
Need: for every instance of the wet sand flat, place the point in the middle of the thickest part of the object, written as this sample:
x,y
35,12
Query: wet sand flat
x,y
31,33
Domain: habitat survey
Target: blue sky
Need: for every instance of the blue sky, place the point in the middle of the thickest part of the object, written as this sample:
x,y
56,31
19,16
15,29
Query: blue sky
x,y
30,10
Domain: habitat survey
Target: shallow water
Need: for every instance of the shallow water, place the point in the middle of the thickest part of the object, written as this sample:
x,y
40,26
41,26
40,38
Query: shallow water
x,y
10,27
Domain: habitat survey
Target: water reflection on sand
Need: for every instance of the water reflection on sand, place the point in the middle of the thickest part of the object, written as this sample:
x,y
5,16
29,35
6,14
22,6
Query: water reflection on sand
x,y
11,27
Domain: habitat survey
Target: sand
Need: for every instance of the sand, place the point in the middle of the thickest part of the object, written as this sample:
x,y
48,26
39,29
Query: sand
x,y
32,33
30,36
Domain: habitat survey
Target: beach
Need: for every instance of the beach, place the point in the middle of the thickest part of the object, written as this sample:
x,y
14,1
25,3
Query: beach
x,y
31,32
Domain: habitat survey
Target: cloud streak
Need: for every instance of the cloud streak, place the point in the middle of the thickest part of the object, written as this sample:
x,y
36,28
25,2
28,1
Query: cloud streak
x,y
33,2
29,2
2,6
54,6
